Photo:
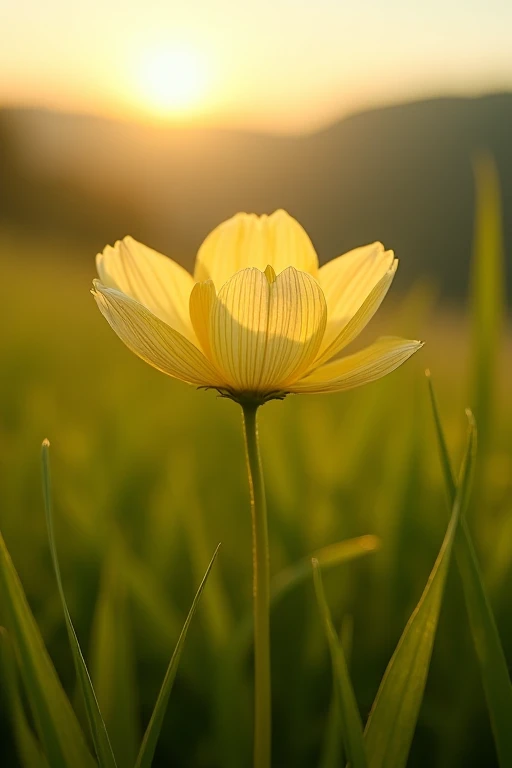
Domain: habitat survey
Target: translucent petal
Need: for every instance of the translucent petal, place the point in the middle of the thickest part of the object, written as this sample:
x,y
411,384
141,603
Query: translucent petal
x,y
371,363
296,325
153,340
202,299
154,280
347,281
264,334
348,332
247,240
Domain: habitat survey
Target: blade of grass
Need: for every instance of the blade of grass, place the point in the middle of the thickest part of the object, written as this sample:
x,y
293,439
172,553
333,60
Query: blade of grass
x,y
151,604
351,726
148,594
328,557
112,660
295,575
231,667
392,720
332,752
217,610
332,748
58,729
491,659
487,293
149,742
29,749
97,726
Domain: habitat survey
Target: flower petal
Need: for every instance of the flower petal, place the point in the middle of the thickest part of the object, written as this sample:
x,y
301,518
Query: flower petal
x,y
358,322
153,340
296,326
348,280
367,365
238,328
247,240
154,280
265,331
202,299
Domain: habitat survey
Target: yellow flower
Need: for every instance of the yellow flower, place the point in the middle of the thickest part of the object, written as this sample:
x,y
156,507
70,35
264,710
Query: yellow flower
x,y
259,319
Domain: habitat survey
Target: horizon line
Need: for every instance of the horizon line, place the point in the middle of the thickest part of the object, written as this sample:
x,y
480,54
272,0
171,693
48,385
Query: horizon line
x,y
226,125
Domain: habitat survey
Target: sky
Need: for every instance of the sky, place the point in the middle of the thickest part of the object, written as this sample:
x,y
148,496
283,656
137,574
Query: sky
x,y
281,65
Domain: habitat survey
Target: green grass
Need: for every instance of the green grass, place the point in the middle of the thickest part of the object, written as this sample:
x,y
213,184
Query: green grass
x,y
149,475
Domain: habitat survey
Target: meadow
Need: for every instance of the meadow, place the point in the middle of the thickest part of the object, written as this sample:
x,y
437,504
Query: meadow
x,y
149,476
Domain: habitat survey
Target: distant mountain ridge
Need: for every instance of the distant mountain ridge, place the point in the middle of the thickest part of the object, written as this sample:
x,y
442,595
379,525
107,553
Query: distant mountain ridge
x,y
400,174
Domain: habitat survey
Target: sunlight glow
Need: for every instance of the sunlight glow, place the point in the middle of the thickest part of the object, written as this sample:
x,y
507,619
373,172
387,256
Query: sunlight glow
x,y
172,80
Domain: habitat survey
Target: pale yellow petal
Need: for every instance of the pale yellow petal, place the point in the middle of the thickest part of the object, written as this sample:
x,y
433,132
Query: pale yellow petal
x,y
248,240
270,273
357,322
153,340
347,281
202,299
264,334
296,325
238,330
154,280
371,363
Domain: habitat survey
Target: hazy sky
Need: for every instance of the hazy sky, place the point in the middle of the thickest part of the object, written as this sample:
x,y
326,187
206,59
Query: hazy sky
x,y
277,64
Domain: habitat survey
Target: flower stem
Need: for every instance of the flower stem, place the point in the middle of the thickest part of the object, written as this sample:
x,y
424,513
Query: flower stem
x,y
260,555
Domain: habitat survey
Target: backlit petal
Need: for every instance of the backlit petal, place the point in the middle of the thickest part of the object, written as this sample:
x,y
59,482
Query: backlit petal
x,y
153,340
296,326
202,299
238,328
154,280
347,281
358,322
265,332
371,363
247,240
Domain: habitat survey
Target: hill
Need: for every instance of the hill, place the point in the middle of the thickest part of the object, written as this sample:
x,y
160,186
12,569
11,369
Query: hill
x,y
399,174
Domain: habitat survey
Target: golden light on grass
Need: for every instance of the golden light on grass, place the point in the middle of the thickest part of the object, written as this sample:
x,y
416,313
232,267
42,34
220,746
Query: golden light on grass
x,y
171,80
259,319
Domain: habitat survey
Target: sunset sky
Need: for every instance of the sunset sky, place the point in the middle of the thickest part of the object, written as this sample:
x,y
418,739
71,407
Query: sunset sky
x,y
285,65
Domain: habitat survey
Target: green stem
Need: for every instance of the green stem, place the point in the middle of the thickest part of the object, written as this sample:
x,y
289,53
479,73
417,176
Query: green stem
x,y
260,556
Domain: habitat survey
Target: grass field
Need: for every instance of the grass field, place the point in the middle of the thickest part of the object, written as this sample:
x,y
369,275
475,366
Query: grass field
x,y
149,475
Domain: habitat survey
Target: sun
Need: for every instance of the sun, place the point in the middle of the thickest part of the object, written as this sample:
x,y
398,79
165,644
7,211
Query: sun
x,y
172,80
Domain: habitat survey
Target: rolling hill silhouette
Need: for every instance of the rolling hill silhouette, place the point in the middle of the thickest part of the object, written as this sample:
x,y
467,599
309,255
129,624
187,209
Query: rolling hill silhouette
x,y
399,174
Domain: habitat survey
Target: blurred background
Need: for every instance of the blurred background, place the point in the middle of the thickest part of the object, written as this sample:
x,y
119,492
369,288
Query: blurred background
x,y
160,120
